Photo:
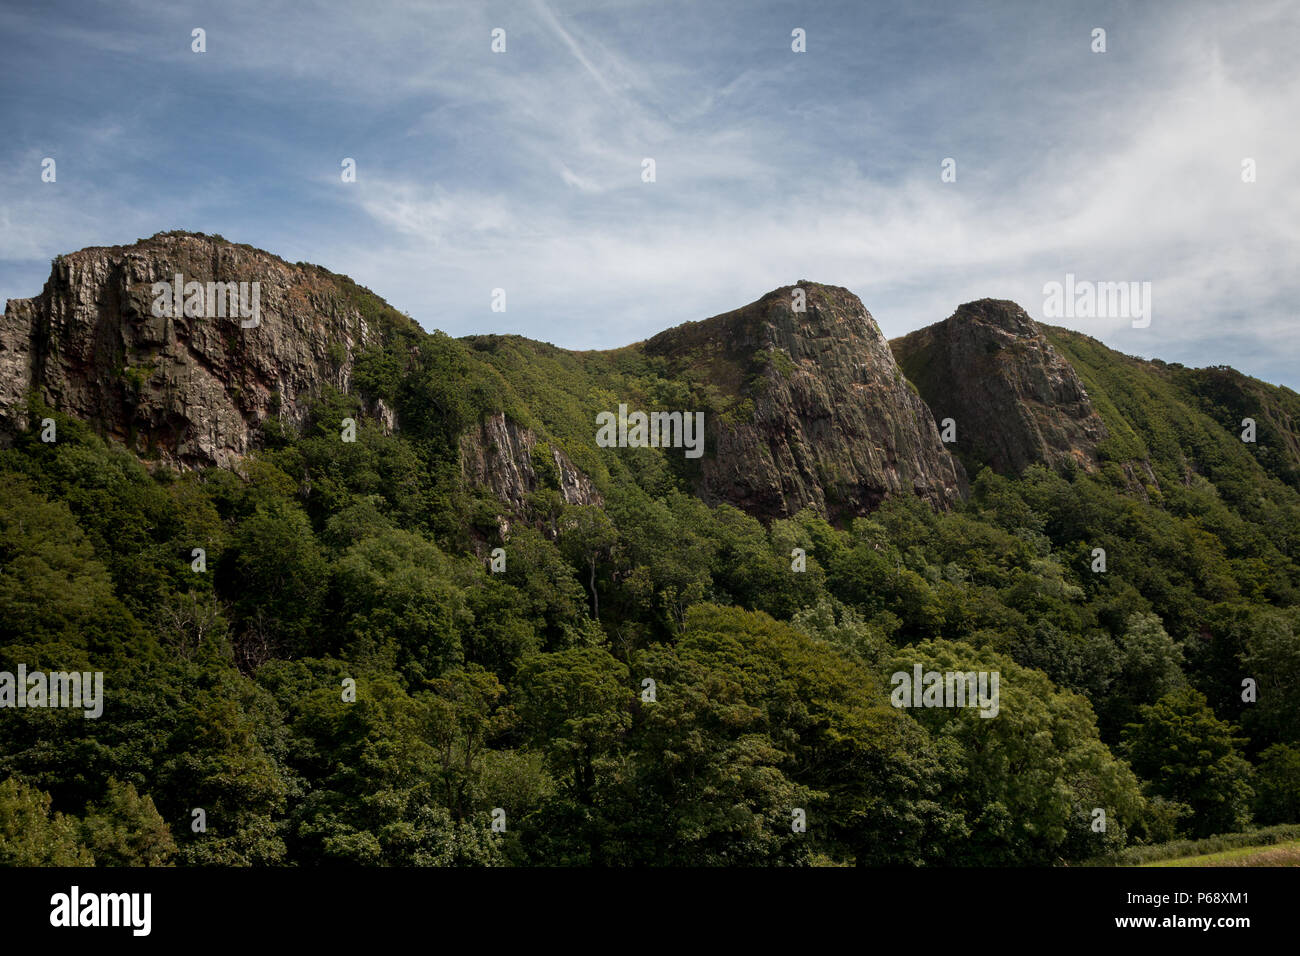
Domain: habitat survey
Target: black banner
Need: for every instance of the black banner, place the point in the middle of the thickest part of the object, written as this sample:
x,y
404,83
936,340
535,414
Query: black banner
x,y
675,906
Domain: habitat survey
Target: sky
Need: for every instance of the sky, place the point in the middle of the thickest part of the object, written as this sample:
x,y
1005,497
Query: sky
x,y
523,170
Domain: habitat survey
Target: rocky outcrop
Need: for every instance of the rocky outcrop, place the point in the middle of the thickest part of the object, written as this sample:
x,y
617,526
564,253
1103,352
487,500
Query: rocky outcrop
x,y
1013,398
506,458
808,406
188,389
823,415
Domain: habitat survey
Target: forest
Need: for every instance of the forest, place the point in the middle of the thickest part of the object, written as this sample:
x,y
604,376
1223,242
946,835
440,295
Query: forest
x,y
346,677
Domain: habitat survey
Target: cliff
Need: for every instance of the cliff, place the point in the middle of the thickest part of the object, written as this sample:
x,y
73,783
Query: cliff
x,y
1014,399
808,405
503,457
826,417
190,386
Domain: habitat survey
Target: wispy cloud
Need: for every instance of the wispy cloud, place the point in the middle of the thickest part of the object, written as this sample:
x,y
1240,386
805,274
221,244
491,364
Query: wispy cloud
x,y
522,170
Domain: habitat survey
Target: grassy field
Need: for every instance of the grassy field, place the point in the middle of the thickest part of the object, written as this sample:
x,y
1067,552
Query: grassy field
x,y
1271,846
1278,854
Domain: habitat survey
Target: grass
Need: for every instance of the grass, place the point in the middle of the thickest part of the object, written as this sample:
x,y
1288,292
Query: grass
x,y
1279,854
1272,846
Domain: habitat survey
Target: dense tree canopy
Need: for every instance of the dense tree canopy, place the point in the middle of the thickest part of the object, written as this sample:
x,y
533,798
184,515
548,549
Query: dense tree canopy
x,y
345,677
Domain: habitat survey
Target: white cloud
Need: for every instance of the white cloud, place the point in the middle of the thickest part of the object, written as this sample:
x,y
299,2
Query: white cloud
x,y
522,170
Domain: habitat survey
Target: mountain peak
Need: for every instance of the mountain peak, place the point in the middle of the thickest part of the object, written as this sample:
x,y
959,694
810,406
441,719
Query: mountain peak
x,y
999,313
829,420
1014,399
785,318
186,376
172,241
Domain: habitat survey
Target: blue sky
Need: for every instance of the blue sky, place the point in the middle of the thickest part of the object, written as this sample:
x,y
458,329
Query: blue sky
x,y
522,170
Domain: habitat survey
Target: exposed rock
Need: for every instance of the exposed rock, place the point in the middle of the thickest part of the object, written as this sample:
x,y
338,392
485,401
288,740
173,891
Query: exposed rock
x,y
1015,400
499,455
825,417
189,390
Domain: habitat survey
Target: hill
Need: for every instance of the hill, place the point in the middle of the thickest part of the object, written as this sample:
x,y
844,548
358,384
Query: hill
x,y
367,595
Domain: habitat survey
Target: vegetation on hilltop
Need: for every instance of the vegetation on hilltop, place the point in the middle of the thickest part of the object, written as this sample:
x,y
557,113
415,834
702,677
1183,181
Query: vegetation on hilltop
x,y
521,695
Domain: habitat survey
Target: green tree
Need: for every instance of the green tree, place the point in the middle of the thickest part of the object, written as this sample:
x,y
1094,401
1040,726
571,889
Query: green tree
x,y
466,717
1272,658
1187,755
575,703
125,829
217,763
274,574
1028,778
867,776
1277,785
587,537
52,587
30,835
396,599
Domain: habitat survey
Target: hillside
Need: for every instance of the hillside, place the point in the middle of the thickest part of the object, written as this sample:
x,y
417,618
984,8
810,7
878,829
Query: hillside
x,y
368,595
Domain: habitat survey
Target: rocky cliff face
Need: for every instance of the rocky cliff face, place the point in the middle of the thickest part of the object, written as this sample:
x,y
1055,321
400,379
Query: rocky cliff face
x,y
812,409
190,389
1015,400
502,456
825,416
